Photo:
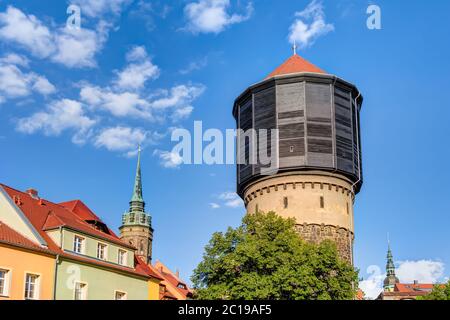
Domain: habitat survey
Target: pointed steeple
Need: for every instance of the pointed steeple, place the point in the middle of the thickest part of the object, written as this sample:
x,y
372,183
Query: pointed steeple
x,y
136,228
391,279
137,190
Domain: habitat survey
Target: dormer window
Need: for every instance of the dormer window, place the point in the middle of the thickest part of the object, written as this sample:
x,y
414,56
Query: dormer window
x,y
182,286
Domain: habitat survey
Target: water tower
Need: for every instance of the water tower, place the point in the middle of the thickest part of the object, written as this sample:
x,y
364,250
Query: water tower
x,y
317,150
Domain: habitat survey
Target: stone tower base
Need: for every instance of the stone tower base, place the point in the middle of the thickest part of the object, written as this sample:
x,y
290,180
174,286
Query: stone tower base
x,y
320,202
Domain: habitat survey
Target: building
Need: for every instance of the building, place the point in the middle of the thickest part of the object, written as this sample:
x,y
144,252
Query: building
x,y
172,287
19,280
315,168
394,290
136,228
70,252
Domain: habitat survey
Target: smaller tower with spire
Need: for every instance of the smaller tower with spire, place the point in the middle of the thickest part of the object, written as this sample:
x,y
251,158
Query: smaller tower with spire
x,y
391,279
136,228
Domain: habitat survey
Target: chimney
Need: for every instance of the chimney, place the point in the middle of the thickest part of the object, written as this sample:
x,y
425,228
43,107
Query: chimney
x,y
177,273
33,193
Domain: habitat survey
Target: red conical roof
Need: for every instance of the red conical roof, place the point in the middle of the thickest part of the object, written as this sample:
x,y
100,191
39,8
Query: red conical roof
x,y
295,64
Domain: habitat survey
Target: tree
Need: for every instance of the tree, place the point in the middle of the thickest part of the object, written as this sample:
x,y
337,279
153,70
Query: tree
x,y
440,292
265,258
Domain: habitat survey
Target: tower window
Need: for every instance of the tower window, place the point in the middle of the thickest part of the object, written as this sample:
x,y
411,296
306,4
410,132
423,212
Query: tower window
x,y
285,202
291,149
257,208
322,202
348,209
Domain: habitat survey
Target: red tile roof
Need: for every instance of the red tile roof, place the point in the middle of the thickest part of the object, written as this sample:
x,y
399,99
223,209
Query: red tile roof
x,y
12,237
295,64
413,287
45,215
173,279
148,269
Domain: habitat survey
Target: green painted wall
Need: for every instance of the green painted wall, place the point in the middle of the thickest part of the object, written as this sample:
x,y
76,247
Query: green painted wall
x,y
101,283
91,247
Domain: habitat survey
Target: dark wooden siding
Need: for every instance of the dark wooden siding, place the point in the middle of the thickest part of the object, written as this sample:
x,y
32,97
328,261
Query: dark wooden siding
x,y
264,101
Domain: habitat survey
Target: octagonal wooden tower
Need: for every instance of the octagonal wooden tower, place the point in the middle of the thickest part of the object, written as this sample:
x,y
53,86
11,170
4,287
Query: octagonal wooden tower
x,y
317,150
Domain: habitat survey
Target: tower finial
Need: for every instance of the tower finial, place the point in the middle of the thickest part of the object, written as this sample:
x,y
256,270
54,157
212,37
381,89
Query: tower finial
x,y
294,48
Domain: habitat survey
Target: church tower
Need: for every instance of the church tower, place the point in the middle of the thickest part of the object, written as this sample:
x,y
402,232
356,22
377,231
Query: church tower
x,y
391,279
316,150
136,228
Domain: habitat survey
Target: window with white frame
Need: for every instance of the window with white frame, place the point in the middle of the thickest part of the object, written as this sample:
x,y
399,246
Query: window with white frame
x,y
122,257
120,295
80,291
102,251
31,286
78,244
4,282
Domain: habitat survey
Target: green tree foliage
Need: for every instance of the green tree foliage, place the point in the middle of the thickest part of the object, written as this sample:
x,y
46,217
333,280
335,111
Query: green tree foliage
x,y
440,292
264,258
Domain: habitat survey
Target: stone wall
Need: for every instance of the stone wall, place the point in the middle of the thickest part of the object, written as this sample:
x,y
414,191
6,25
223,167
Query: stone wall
x,y
317,233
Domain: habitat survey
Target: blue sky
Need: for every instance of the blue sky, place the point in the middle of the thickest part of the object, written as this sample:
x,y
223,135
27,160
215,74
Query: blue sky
x,y
75,103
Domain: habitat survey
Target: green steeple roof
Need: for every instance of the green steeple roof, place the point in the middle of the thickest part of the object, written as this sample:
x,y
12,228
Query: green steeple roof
x,y
390,268
391,279
137,190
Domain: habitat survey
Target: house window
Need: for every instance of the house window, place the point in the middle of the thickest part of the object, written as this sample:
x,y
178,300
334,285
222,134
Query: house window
x,y
322,202
285,202
31,286
80,291
120,295
102,251
78,244
122,257
4,282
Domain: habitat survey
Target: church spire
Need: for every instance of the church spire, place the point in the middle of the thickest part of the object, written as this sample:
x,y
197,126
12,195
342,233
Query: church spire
x,y
391,279
136,228
137,190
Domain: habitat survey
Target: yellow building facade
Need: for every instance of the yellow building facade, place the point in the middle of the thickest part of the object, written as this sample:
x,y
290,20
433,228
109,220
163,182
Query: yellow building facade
x,y
33,280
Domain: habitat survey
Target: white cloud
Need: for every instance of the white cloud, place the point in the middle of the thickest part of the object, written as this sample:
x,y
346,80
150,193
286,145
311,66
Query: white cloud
x,y
43,86
119,104
211,16
135,75
15,83
179,96
424,271
74,48
309,25
214,205
121,138
27,31
137,53
195,65
96,8
231,199
60,116
169,159
16,59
